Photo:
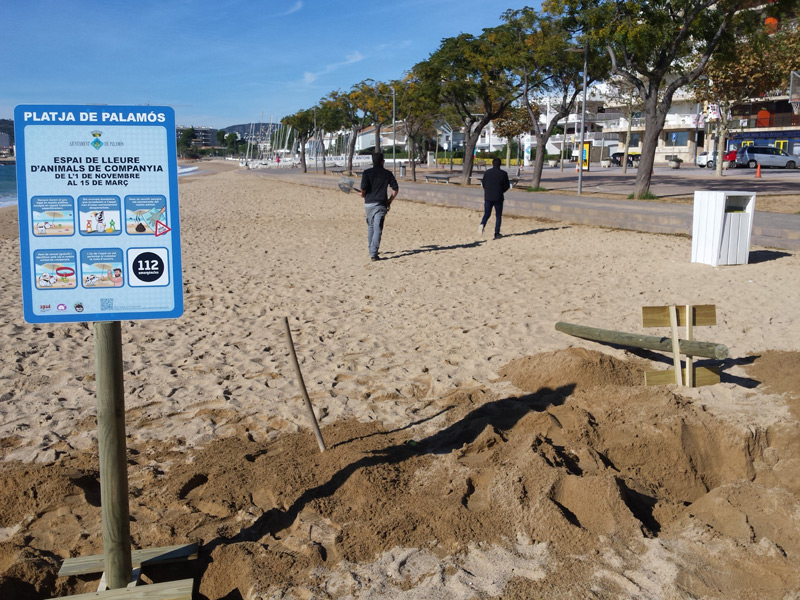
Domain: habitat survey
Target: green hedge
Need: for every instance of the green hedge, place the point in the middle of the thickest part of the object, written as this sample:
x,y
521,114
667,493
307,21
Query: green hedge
x,y
460,161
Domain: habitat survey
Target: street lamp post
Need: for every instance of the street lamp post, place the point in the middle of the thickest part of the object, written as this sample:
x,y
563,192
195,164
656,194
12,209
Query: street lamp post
x,y
583,116
394,135
583,120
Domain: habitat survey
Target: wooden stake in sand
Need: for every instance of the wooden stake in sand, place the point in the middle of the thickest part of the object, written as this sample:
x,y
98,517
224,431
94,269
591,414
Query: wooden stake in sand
x,y
302,384
113,454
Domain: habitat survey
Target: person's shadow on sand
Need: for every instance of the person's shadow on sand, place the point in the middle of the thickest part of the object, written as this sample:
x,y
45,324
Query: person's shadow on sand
x,y
534,231
475,244
431,248
501,414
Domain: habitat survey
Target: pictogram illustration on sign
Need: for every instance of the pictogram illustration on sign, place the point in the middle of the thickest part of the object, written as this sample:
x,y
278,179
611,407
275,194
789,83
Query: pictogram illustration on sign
x,y
161,228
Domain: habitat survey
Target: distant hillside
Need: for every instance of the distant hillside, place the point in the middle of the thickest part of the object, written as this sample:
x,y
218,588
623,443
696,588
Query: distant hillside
x,y
244,129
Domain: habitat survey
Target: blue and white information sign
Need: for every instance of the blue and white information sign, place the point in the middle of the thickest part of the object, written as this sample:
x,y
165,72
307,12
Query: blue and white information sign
x,y
98,213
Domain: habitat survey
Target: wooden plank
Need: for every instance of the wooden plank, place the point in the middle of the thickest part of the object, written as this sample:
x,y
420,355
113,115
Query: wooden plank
x,y
658,316
169,590
689,336
676,349
84,565
701,375
651,342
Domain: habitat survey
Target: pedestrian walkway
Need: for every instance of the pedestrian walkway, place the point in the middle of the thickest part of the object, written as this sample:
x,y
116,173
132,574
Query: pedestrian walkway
x,y
770,230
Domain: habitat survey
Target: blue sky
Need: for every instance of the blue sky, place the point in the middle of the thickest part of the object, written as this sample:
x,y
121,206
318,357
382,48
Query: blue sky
x,y
219,63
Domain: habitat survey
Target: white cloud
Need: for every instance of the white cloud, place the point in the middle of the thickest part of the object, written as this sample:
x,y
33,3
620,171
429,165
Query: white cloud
x,y
297,6
354,57
395,45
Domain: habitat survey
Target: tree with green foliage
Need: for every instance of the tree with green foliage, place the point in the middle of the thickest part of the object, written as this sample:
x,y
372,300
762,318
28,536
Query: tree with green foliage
x,y
417,110
551,71
221,137
185,140
474,77
353,118
330,117
514,122
660,47
374,99
232,142
303,124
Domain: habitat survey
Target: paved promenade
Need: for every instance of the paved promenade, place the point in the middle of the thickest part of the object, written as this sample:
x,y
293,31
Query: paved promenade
x,y
603,201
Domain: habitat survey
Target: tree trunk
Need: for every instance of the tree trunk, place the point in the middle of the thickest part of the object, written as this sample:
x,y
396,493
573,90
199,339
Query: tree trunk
x,y
538,162
351,150
471,142
627,142
378,138
412,153
722,129
655,117
542,137
303,155
469,152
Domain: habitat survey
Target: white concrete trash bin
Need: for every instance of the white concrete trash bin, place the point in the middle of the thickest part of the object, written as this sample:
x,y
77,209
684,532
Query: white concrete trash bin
x,y
722,226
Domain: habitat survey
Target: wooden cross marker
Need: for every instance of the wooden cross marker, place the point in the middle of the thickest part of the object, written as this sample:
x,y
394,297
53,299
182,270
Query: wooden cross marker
x,y
673,317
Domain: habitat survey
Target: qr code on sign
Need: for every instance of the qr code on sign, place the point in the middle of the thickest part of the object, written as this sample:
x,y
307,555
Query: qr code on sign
x,y
106,304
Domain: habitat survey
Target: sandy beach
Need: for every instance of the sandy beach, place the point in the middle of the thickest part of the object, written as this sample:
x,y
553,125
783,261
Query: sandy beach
x,y
473,450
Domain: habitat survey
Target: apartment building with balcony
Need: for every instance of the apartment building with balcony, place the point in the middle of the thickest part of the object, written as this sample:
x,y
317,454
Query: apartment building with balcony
x,y
684,135
767,121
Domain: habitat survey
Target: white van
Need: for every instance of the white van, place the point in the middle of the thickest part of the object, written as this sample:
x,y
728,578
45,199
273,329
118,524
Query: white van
x,y
766,156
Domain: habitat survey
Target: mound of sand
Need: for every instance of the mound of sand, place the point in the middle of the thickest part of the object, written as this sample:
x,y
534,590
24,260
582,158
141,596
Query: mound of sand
x,y
589,485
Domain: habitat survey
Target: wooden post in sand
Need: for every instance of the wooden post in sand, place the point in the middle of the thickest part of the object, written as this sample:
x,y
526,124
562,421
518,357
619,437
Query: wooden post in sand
x,y
113,454
317,432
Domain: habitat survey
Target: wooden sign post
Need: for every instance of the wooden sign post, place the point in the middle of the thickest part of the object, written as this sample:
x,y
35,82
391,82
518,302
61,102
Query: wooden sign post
x,y
673,317
90,253
113,454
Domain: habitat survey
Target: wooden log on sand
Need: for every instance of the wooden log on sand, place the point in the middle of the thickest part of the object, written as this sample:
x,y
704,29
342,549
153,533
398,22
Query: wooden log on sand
x,y
650,342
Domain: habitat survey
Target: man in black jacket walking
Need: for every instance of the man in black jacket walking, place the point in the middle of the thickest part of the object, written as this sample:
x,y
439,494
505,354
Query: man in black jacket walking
x,y
495,183
375,184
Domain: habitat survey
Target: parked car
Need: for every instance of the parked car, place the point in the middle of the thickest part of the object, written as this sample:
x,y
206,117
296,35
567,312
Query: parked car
x,y
766,156
616,159
707,159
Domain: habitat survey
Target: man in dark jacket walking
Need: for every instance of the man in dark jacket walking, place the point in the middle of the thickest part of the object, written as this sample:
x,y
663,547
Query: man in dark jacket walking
x,y
374,188
495,183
